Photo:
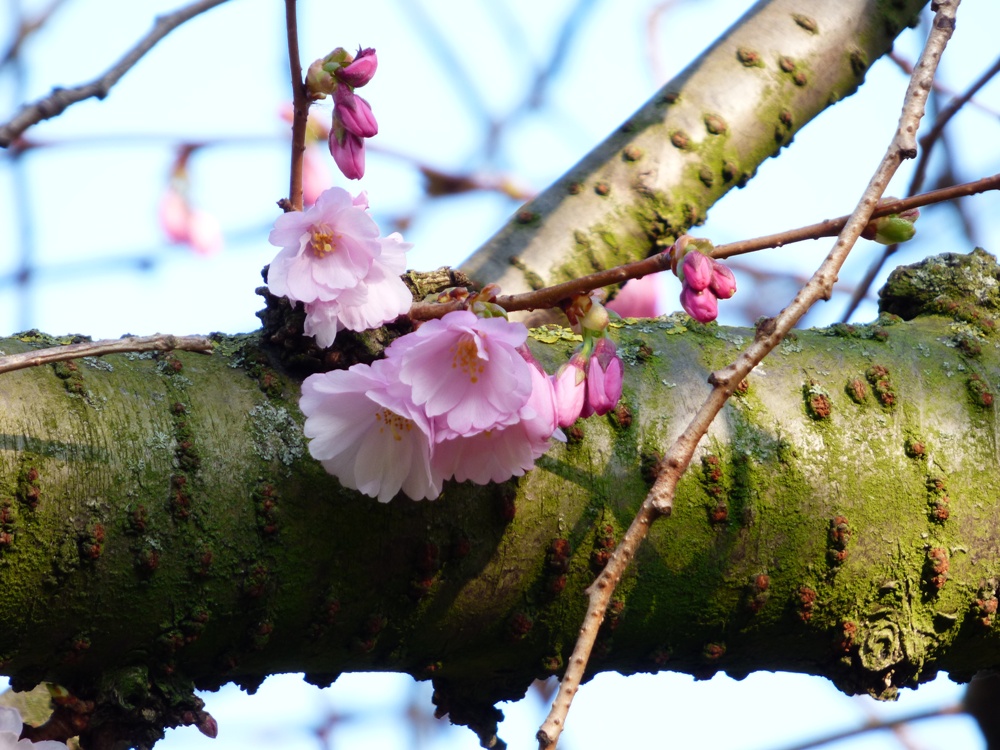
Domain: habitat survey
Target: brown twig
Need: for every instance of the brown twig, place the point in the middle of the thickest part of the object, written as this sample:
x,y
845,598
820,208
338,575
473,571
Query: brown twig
x,y
770,332
875,725
300,110
552,295
919,173
60,99
903,64
158,342
26,28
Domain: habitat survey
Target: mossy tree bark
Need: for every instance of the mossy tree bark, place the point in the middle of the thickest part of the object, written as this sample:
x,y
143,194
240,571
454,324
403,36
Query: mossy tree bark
x,y
163,527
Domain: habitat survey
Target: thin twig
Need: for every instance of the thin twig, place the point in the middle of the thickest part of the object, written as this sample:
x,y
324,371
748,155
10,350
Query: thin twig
x,y
550,296
770,332
26,28
903,64
158,342
300,109
917,180
875,725
60,99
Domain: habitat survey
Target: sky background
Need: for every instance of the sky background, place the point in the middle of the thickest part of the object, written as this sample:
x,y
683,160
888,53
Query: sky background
x,y
78,221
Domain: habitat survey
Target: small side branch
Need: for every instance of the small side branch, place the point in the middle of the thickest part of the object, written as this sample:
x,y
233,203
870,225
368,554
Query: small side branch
x,y
158,342
880,725
300,110
552,295
770,332
60,99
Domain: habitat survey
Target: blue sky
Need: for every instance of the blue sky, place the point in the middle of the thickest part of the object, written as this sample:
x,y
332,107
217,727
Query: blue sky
x,y
84,209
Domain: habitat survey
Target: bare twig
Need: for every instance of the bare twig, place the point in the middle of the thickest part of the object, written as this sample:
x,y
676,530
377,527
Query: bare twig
x,y
875,725
158,342
770,332
300,110
60,99
26,28
917,180
903,64
552,295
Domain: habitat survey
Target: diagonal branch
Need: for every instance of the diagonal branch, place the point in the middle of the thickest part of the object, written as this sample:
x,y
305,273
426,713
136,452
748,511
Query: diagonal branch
x,y
770,332
60,99
916,182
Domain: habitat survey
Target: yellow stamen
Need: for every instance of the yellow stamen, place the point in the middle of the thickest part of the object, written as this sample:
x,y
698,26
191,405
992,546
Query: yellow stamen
x,y
390,420
323,240
465,355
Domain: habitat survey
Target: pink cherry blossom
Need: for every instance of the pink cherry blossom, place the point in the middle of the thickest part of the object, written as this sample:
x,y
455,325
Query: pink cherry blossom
x,y
499,454
326,249
570,389
465,372
702,306
604,378
189,226
360,71
378,298
367,433
639,298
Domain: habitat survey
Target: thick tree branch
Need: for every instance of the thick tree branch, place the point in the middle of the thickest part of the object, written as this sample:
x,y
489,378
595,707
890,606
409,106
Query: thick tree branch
x,y
60,99
167,513
702,134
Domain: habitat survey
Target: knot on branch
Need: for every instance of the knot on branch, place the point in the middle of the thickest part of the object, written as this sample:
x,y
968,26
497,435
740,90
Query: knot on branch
x,y
963,287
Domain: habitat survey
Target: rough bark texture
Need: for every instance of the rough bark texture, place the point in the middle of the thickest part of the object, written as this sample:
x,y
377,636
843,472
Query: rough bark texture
x,y
161,525
704,133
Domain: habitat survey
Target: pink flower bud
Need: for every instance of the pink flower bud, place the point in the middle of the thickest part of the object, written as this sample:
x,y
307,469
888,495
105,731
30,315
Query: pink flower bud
x,y
359,72
348,150
207,725
702,306
696,271
723,283
604,378
569,384
354,112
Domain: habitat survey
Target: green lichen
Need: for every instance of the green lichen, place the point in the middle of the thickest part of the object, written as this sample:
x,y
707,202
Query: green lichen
x,y
277,436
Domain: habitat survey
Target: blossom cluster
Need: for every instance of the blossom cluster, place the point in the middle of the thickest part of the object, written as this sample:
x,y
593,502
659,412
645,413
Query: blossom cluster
x,y
338,74
461,397
10,733
704,280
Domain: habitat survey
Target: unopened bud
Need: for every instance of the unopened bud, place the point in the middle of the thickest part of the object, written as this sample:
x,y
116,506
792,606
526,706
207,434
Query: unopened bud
x,y
360,70
702,306
723,283
894,228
